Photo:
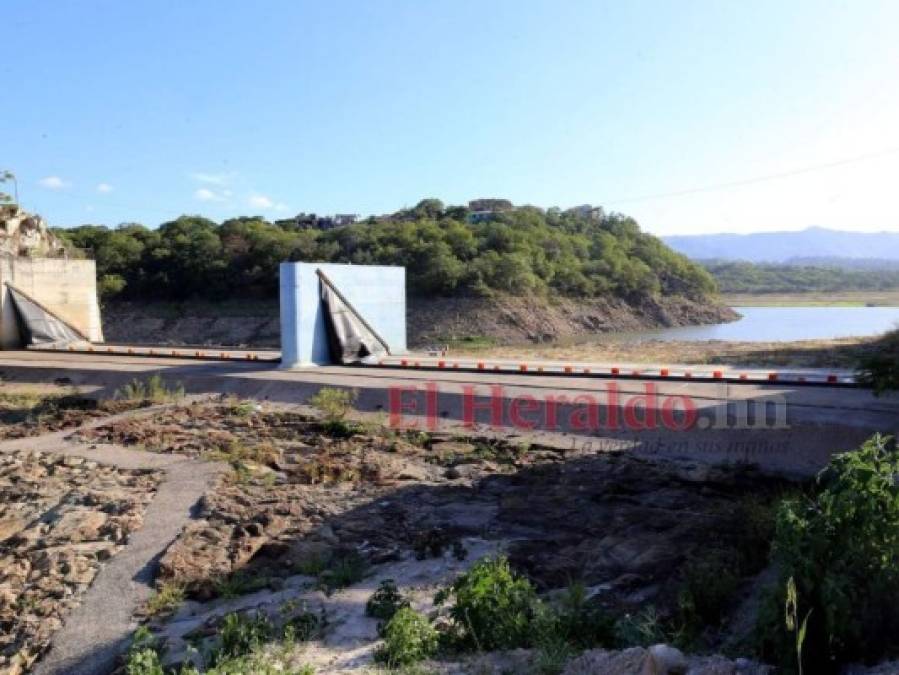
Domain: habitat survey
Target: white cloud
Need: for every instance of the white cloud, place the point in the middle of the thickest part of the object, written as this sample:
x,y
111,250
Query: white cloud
x,y
53,183
281,206
212,178
261,202
206,195
103,188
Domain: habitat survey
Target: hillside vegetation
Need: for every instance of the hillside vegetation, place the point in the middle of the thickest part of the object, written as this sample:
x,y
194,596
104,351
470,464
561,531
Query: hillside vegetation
x,y
746,277
523,251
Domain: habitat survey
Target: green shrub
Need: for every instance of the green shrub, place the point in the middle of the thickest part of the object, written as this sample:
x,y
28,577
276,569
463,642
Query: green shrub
x,y
344,569
241,634
581,623
143,662
880,370
143,654
842,550
167,598
333,404
385,602
642,629
492,606
709,585
408,638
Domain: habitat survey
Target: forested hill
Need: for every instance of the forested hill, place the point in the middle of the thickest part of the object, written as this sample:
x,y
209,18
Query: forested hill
x,y
521,251
745,277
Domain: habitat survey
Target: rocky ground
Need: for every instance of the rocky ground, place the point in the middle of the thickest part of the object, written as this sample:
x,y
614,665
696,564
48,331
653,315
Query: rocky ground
x,y
34,411
305,498
61,518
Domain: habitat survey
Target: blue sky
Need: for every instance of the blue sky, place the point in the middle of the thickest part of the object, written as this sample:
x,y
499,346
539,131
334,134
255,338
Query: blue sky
x,y
141,111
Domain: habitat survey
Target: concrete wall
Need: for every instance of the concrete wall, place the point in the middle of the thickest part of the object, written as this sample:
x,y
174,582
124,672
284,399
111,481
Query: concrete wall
x,y
66,287
377,292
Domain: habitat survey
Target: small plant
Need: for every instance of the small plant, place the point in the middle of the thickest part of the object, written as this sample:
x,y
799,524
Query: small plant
x,y
240,583
408,638
243,409
344,570
166,599
492,606
151,390
642,629
581,623
333,404
312,565
709,585
143,654
791,614
241,634
385,602
880,370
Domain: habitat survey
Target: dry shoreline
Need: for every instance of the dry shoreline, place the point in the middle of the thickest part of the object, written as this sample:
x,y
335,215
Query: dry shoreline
x,y
837,353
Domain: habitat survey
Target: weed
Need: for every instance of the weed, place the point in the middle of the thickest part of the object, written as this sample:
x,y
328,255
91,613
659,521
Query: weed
x,y
143,654
552,656
152,390
303,626
493,607
332,403
166,599
311,565
234,452
239,583
581,623
241,634
385,602
408,638
709,585
344,570
243,409
880,370
642,629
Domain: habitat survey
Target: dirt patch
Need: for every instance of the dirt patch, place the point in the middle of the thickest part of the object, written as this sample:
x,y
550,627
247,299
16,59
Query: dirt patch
x,y
61,518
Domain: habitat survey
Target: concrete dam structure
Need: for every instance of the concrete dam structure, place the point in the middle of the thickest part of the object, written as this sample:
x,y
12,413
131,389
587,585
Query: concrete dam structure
x,y
36,267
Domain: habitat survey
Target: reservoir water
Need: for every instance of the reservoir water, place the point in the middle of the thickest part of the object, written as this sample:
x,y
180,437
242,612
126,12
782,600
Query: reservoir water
x,y
769,324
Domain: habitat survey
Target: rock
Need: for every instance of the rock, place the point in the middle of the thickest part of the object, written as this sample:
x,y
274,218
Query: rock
x,y
663,659
78,525
452,448
466,470
606,662
11,526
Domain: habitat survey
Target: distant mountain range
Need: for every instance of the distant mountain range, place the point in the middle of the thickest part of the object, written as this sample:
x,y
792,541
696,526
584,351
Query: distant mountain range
x,y
812,246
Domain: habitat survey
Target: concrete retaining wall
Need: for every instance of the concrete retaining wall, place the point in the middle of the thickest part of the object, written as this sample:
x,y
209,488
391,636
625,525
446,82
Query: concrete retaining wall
x,y
66,287
377,292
